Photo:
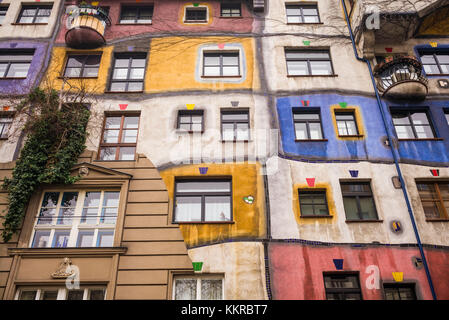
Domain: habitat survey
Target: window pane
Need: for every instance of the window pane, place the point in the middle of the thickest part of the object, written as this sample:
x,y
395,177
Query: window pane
x,y
105,239
211,60
49,295
203,186
301,131
137,74
90,72
107,153
110,136
129,136
228,131
297,68
28,295
351,210
72,72
211,289
61,239
108,215
230,60
92,199
127,153
212,71
120,74
321,67
419,118
90,215
118,86
404,132
341,282
242,116
424,132
218,209
138,63
400,118
242,131
113,122
310,11
185,289
294,19
230,71
85,238
306,116
3,68
188,209
315,131
111,199
131,123
431,69
75,295
121,63
75,61
135,86
368,208
428,59
351,128
97,294
443,58
18,70
41,239
311,19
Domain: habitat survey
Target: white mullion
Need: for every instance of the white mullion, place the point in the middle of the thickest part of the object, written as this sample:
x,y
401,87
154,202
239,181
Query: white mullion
x,y
50,237
38,294
95,238
100,207
62,294
76,220
85,294
198,288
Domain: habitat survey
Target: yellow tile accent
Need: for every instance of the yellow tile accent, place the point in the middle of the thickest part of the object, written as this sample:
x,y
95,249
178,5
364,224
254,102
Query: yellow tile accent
x,y
249,218
330,204
358,119
210,12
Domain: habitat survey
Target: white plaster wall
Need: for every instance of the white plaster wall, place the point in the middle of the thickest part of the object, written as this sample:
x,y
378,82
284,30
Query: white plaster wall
x,y
8,29
242,264
162,143
390,204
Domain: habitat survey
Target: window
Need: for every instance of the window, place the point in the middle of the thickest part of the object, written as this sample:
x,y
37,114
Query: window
x,y
302,13
235,125
313,203
346,123
82,66
119,139
342,287
203,201
139,14
446,114
198,288
196,14
3,10
128,73
221,64
435,62
5,124
435,199
76,219
308,63
35,14
55,293
358,201
15,63
399,291
191,121
231,10
412,124
307,124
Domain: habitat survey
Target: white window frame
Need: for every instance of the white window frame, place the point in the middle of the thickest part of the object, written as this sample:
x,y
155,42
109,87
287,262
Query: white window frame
x,y
198,279
62,292
184,18
76,225
215,49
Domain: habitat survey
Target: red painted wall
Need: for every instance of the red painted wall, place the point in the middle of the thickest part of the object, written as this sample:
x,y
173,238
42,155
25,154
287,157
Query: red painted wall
x,y
297,270
166,16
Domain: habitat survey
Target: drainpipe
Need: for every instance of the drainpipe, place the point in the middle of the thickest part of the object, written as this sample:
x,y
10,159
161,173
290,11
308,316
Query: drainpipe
x,y
395,156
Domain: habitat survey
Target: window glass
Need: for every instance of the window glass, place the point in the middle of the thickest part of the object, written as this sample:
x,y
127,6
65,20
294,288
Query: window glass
x,y
185,289
211,289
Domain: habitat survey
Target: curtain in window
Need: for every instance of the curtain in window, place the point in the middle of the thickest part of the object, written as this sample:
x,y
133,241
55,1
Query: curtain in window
x,y
218,209
185,289
211,290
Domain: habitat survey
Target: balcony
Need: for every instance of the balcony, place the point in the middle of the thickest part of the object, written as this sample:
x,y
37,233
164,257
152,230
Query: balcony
x,y
86,27
401,78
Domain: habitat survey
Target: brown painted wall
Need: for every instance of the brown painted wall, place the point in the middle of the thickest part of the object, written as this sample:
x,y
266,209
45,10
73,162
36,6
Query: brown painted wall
x,y
147,247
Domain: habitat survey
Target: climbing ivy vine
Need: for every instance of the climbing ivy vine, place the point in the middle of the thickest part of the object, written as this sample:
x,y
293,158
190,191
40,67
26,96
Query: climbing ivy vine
x,y
55,137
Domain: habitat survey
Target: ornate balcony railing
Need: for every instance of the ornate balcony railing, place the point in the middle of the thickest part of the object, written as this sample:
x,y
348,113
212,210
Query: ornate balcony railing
x,y
401,78
86,27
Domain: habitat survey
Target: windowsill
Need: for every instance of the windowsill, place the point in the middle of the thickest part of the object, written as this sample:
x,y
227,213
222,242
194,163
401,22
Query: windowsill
x,y
313,76
238,17
352,136
424,139
195,21
311,140
438,75
13,78
437,219
29,24
67,251
220,77
99,160
317,216
134,24
123,92
205,222
224,141
303,23
3,139
364,221
188,132
75,78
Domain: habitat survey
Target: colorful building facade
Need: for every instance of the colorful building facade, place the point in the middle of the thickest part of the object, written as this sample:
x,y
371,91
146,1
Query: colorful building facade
x,y
237,150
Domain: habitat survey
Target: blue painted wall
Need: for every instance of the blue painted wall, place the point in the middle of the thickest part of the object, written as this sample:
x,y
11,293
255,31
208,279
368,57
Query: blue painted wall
x,y
370,147
21,86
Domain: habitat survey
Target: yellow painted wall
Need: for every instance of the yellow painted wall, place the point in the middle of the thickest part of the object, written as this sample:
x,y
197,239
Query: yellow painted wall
x,y
57,67
249,219
358,119
173,62
330,204
436,23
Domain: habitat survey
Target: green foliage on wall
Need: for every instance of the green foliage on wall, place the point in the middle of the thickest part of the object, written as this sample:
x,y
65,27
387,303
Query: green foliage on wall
x,y
55,137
